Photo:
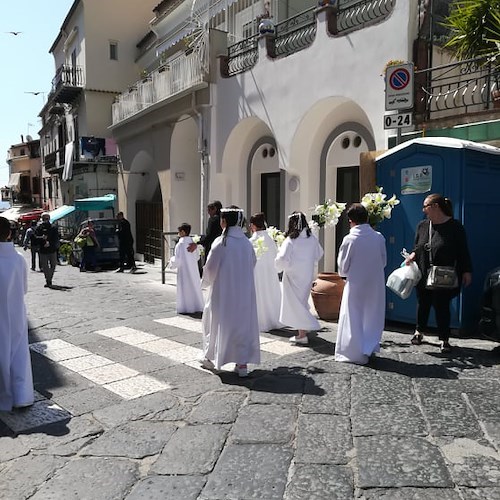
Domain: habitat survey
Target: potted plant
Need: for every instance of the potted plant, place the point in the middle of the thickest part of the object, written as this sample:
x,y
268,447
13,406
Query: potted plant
x,y
326,290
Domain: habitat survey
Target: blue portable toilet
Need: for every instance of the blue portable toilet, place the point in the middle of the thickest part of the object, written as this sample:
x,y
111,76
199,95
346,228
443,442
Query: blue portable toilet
x,y
467,173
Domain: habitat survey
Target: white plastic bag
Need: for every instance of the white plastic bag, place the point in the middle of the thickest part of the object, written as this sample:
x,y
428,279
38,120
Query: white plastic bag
x,y
404,278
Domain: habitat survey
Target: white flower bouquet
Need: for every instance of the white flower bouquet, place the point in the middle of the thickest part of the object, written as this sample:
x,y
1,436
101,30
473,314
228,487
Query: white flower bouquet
x,y
196,239
277,235
379,208
326,214
259,246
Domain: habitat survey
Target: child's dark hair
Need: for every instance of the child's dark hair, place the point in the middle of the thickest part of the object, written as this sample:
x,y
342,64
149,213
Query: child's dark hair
x,y
357,213
258,220
185,228
233,216
296,223
4,229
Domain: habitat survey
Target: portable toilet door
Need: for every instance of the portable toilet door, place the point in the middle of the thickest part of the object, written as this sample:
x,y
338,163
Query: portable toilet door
x,y
469,174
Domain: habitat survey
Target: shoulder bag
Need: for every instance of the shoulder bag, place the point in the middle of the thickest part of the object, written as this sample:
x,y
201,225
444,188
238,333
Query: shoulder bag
x,y
440,277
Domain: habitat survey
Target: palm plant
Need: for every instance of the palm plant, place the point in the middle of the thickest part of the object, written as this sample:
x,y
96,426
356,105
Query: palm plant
x,y
475,29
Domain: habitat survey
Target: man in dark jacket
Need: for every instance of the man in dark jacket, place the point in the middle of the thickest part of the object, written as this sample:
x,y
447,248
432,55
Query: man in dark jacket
x,y
126,244
47,236
213,230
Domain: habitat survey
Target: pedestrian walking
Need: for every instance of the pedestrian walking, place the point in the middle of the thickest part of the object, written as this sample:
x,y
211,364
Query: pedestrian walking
x,y
47,236
126,244
30,241
189,294
267,284
90,245
440,240
16,379
230,324
296,258
361,261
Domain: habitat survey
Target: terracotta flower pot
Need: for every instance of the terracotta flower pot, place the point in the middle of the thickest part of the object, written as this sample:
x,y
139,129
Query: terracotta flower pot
x,y
326,293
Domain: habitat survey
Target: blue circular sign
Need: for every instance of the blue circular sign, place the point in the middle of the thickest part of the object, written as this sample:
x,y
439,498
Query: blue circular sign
x,y
399,79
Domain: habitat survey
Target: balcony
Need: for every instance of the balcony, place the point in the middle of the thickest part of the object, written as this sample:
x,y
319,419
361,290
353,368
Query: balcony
x,y
179,75
54,161
67,84
299,31
454,90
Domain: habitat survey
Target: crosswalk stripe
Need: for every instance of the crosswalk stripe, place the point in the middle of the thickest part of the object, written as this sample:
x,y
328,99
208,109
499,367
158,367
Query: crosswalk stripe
x,y
115,377
272,346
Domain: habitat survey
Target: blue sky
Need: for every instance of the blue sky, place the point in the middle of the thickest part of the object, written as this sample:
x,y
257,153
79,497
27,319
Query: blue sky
x,y
27,66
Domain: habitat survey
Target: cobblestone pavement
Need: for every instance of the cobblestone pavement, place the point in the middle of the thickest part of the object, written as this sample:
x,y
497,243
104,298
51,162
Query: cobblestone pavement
x,y
124,412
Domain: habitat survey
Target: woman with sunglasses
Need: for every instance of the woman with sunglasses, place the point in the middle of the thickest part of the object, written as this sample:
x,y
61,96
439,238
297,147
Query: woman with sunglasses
x,y
439,239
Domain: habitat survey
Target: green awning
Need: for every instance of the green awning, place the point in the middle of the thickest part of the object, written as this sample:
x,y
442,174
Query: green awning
x,y
99,203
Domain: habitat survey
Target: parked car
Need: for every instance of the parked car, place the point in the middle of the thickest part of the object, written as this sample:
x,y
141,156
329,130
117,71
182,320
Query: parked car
x,y
107,255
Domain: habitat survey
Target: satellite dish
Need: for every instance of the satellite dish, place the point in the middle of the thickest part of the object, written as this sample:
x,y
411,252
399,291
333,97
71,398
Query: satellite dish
x,y
29,138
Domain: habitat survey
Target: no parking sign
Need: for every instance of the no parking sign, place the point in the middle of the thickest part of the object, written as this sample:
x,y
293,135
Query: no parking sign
x,y
399,87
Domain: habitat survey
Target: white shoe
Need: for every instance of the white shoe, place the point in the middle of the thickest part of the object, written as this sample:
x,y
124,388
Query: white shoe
x,y
207,364
299,341
241,370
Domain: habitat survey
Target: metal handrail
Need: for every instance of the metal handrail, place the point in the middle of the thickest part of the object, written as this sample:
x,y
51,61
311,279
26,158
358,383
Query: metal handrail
x,y
166,250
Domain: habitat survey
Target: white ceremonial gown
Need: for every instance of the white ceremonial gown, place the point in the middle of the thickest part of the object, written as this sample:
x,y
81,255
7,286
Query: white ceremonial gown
x,y
267,285
230,324
361,260
297,258
16,379
189,295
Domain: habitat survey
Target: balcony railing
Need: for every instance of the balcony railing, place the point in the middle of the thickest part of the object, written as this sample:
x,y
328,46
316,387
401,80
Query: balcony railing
x,y
54,161
295,33
177,76
241,57
356,14
67,84
458,88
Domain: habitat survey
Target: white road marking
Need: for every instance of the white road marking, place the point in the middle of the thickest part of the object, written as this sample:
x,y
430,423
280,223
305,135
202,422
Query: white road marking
x,y
115,377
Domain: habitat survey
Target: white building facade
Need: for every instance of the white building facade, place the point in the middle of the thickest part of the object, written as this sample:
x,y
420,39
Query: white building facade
x,y
267,105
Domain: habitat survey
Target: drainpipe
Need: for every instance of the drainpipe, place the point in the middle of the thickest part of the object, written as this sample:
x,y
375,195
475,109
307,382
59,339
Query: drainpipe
x,y
204,166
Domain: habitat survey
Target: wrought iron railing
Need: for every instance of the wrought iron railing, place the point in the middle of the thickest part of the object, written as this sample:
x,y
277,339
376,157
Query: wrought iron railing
x,y
178,75
352,15
241,57
71,76
465,87
295,33
54,160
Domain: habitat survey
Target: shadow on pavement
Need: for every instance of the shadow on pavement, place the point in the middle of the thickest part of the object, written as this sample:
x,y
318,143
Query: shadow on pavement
x,y
61,288
281,380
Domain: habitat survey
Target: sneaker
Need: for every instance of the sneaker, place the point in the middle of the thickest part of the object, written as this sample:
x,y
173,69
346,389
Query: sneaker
x,y
299,341
119,270
417,338
207,364
445,346
48,285
241,370
133,270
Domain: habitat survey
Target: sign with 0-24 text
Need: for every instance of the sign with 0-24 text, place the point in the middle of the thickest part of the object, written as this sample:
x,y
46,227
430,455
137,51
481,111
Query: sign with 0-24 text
x,y
399,120
399,87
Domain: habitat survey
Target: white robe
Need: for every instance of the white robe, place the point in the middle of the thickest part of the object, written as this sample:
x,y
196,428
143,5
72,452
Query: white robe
x,y
297,258
189,294
16,379
361,259
230,324
267,285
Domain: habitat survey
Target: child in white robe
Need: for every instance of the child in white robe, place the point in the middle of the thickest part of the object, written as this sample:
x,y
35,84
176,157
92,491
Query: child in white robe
x,y
16,379
230,324
361,260
267,283
189,294
297,257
